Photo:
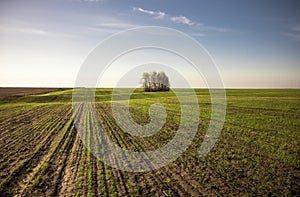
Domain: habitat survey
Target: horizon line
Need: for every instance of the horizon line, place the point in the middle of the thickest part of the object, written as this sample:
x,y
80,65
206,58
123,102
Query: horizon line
x,y
69,87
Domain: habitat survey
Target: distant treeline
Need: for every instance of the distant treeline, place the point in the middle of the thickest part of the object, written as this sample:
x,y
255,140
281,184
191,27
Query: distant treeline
x,y
155,81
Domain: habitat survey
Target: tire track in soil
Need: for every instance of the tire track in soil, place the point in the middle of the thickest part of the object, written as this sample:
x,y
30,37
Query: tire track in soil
x,y
64,159
30,175
52,177
72,173
37,163
34,172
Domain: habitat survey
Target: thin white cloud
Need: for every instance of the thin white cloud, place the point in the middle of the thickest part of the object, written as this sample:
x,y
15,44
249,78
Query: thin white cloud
x,y
294,33
160,15
293,36
182,19
32,31
23,30
155,14
196,25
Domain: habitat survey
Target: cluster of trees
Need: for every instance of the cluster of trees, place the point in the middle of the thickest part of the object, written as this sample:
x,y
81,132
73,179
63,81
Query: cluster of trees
x,y
155,81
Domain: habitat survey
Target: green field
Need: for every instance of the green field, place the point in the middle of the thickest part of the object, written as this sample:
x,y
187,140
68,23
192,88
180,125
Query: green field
x,y
258,152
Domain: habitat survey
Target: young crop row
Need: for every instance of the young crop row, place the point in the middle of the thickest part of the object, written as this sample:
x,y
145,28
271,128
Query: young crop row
x,y
27,164
42,152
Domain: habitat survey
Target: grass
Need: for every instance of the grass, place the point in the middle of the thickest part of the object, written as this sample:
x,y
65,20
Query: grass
x,y
256,154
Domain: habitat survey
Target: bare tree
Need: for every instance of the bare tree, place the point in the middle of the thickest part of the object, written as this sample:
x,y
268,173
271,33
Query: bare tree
x,y
146,81
155,81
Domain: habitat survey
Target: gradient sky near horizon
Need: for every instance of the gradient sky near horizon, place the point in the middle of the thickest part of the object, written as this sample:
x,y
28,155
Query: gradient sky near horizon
x,y
256,44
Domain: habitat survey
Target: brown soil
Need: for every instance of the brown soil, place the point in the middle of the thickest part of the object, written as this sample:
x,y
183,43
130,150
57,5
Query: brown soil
x,y
26,91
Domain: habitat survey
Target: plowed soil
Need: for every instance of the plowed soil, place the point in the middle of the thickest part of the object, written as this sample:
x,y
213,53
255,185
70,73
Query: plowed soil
x,y
41,153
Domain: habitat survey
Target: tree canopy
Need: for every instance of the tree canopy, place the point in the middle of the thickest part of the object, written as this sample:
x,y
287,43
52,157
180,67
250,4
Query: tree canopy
x,y
155,81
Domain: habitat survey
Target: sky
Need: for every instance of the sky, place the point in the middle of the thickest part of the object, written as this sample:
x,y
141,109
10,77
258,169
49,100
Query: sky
x,y
255,44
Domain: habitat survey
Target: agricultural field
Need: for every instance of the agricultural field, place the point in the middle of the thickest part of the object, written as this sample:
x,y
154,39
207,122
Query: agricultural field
x,y
257,153
25,91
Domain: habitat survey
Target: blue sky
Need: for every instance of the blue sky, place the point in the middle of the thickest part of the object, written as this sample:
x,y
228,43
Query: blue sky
x,y
254,43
